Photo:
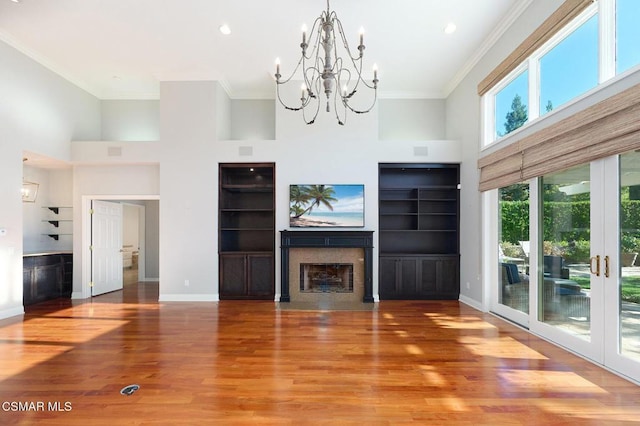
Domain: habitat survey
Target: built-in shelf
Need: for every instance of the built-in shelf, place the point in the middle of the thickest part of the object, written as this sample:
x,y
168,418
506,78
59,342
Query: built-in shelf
x,y
56,209
58,215
57,236
419,225
246,220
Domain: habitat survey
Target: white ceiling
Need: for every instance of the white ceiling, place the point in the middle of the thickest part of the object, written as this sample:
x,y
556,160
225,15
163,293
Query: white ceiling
x,y
121,49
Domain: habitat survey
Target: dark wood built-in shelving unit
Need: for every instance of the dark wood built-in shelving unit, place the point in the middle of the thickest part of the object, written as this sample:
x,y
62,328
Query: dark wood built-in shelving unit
x,y
419,231
247,231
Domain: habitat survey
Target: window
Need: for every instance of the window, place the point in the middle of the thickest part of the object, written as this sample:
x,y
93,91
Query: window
x,y
597,44
627,34
570,68
511,110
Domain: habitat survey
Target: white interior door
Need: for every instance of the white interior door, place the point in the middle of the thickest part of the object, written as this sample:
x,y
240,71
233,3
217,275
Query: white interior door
x,y
106,247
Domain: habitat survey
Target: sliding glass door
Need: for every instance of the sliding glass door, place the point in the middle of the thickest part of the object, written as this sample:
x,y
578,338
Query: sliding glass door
x,y
568,259
621,263
587,275
564,278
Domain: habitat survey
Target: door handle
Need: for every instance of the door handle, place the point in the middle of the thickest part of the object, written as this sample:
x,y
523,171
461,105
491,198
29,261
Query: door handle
x,y
606,266
597,271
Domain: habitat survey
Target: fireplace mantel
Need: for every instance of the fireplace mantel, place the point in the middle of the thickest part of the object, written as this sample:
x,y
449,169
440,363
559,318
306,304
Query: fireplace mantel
x,y
326,239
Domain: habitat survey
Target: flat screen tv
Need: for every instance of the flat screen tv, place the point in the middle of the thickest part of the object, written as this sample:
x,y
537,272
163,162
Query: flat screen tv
x,y
329,206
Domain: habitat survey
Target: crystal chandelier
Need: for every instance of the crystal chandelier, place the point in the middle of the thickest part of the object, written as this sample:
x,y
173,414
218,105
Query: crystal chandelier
x,y
323,69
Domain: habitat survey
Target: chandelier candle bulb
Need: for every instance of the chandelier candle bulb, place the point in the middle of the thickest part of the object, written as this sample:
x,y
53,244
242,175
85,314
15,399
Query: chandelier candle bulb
x,y
277,67
361,36
304,34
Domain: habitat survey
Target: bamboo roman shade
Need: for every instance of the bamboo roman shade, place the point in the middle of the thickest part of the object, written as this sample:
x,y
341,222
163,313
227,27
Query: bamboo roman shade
x,y
554,23
610,127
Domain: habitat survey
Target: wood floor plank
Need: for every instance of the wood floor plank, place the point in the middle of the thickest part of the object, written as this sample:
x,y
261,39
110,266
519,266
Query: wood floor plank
x,y
246,362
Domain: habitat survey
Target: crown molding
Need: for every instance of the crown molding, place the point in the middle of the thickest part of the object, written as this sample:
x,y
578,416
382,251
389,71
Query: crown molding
x,y
48,64
512,15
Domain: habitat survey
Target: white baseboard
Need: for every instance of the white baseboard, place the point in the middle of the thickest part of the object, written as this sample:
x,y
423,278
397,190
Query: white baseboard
x,y
189,298
471,302
8,313
150,280
77,295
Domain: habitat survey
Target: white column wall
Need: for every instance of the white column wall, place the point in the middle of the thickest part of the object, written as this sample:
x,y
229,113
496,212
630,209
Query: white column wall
x,y
39,112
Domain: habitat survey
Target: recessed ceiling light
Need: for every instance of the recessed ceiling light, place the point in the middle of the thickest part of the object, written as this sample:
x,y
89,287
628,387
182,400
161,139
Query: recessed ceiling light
x,y
16,1
225,29
450,28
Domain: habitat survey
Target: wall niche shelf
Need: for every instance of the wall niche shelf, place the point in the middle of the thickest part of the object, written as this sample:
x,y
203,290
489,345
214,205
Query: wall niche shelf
x,y
58,217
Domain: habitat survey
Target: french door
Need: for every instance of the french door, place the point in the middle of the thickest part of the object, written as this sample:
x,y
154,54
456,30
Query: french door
x,y
587,290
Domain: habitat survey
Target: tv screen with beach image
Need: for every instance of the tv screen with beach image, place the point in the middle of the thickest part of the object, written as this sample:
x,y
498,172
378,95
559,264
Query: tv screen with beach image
x,y
330,206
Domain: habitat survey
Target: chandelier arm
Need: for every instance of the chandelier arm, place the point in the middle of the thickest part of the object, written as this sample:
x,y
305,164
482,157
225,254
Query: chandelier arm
x,y
345,44
357,62
316,31
364,111
301,107
319,65
335,107
315,115
280,81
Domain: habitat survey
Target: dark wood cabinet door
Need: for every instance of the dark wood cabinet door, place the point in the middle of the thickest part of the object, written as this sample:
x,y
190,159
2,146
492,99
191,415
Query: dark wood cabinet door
x,y
247,276
388,280
398,277
260,274
44,276
449,277
409,285
419,277
233,276
439,277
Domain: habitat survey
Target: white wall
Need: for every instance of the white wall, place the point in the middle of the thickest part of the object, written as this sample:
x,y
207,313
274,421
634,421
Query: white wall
x,y
39,112
463,124
253,119
130,120
412,119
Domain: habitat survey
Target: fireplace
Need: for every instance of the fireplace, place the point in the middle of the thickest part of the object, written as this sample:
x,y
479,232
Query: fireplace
x,y
326,277
314,263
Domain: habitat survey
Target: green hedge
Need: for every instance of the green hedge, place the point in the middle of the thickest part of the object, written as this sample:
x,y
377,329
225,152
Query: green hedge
x,y
566,224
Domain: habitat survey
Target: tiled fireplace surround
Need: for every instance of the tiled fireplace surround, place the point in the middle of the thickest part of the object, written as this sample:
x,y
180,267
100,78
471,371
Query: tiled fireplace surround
x,y
324,246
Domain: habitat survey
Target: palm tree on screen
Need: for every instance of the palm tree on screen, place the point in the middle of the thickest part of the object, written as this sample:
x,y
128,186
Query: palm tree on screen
x,y
317,195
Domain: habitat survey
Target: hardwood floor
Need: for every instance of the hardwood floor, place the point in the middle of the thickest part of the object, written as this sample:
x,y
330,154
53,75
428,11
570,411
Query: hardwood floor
x,y
239,362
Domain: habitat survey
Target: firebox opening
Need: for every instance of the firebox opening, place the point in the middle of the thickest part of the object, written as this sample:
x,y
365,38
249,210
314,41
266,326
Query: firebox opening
x,y
326,277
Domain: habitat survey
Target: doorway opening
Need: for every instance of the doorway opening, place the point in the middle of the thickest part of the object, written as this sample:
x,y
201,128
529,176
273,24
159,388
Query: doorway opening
x,y
134,259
